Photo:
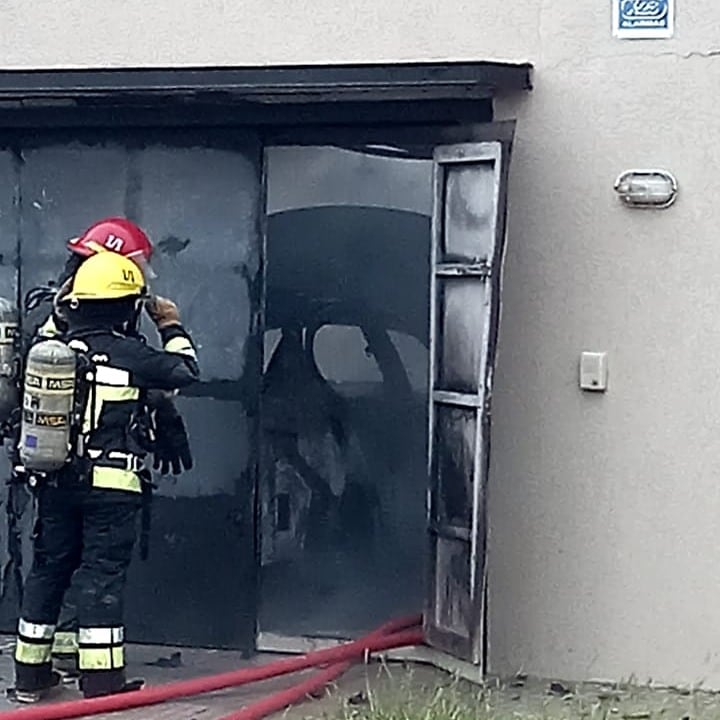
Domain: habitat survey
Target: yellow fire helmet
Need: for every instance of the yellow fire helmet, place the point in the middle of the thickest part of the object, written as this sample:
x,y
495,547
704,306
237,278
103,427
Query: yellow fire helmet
x,y
107,276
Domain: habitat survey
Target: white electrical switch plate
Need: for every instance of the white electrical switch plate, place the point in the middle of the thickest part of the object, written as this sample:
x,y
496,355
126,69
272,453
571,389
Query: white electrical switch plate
x,y
593,371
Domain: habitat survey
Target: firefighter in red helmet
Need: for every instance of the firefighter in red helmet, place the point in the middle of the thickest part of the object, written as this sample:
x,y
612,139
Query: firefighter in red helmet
x,y
114,234
172,450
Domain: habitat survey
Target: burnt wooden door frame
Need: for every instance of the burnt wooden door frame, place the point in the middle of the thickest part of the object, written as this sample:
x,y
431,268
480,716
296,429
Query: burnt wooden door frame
x,y
484,271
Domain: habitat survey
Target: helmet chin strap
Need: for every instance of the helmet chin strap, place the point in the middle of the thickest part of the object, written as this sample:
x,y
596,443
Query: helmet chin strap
x,y
133,325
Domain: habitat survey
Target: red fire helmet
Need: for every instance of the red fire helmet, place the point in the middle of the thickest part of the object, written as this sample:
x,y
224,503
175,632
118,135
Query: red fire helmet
x,y
118,235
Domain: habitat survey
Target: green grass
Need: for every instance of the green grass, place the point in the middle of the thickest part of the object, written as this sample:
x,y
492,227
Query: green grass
x,y
402,695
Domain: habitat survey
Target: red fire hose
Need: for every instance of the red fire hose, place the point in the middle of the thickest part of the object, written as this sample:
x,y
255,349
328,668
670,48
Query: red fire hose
x,y
398,633
297,693
281,700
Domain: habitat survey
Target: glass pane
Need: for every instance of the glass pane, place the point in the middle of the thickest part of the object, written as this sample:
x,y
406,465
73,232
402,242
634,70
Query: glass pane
x,y
462,337
414,357
469,212
344,426
454,453
453,604
336,176
343,358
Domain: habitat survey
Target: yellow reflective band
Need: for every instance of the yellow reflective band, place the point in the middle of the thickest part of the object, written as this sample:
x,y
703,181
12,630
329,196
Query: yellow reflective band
x,y
103,394
116,479
33,653
35,631
65,643
48,329
101,658
182,346
107,393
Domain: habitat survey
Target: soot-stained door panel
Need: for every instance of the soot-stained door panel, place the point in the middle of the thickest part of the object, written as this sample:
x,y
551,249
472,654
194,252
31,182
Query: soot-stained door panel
x,y
18,501
344,400
198,197
468,245
201,207
60,191
63,189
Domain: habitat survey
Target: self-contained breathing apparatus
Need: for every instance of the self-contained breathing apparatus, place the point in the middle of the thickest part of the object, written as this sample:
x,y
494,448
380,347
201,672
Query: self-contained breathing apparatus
x,y
59,414
43,433
54,399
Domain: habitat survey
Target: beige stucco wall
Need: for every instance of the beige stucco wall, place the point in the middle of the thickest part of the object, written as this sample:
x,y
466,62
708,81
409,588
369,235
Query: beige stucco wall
x,y
259,32
605,510
605,537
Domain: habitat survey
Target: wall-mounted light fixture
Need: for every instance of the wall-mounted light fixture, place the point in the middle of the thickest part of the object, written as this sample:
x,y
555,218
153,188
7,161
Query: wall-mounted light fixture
x,y
654,189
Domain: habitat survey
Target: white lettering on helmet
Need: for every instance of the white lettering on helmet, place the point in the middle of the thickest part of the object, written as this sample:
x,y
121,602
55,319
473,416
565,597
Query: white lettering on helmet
x,y
113,242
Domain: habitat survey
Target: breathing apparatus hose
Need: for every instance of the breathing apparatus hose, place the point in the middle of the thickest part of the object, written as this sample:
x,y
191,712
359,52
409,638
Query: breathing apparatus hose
x,y
398,633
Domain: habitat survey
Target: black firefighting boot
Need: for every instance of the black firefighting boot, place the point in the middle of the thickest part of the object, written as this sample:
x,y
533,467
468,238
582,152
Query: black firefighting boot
x,y
98,683
32,692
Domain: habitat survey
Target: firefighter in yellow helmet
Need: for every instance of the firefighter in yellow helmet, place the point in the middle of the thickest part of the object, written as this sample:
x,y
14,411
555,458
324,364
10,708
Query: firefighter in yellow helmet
x,y
171,451
87,509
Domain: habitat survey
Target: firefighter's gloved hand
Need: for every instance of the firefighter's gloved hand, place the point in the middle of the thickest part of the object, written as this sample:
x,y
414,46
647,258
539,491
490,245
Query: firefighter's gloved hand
x,y
172,446
162,312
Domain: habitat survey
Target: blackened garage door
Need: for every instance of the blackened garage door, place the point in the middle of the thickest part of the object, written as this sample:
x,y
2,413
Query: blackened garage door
x,y
198,196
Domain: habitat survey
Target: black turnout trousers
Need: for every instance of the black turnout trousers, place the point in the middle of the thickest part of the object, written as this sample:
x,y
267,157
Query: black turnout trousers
x,y
80,529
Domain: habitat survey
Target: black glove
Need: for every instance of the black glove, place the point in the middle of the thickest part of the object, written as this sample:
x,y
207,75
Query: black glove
x,y
172,447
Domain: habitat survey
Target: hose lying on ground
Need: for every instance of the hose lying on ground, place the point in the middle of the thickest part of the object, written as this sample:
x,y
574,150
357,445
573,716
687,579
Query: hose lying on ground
x,y
398,633
297,693
283,699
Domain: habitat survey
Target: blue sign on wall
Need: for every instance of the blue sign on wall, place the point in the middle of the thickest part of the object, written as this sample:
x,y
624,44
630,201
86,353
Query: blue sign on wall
x,y
637,19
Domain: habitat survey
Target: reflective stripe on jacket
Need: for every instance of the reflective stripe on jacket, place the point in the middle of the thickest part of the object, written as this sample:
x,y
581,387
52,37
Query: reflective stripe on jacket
x,y
124,368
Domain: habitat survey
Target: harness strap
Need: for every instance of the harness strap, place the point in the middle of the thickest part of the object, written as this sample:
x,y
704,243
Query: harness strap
x,y
145,513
